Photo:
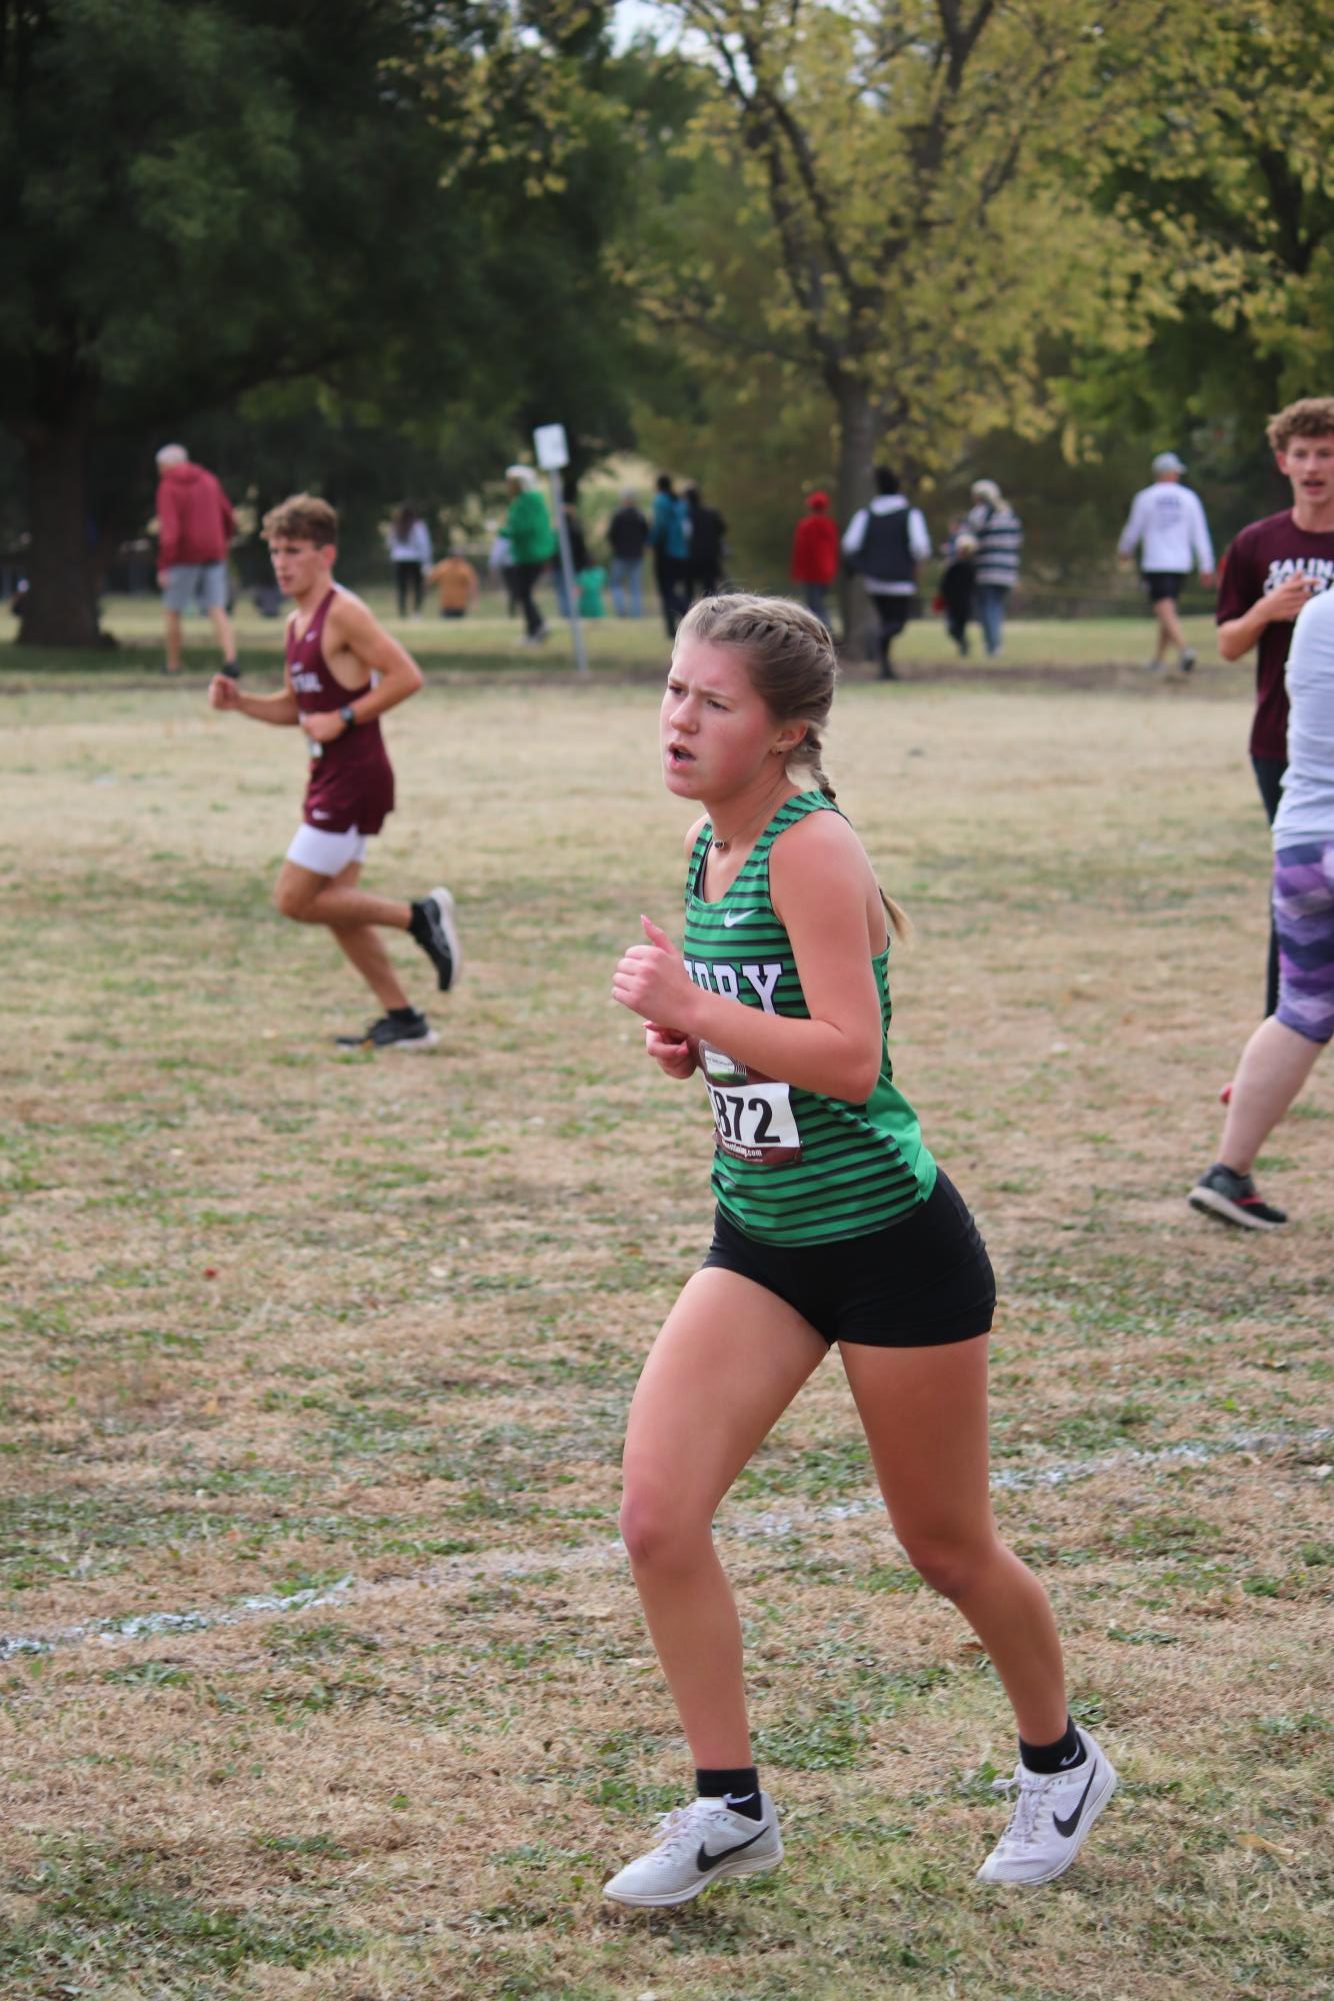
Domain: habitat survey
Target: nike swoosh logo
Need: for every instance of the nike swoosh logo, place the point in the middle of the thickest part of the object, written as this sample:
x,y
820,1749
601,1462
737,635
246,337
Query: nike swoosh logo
x,y
1067,1827
731,917
704,1861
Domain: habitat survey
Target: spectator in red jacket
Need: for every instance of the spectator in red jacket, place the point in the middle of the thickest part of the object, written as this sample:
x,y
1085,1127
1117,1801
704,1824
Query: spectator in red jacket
x,y
815,554
195,526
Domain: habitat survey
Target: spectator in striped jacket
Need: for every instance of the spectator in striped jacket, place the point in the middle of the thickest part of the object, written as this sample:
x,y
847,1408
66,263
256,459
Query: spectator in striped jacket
x,y
1000,537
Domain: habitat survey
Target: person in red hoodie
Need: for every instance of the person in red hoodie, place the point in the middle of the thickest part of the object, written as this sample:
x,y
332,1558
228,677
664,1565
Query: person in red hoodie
x,y
815,554
195,525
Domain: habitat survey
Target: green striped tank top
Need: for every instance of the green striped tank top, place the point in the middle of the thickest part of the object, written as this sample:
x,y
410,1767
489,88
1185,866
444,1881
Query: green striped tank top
x,y
791,1166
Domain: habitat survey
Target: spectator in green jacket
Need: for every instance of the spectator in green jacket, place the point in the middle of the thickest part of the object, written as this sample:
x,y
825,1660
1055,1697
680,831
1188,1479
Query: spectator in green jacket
x,y
532,543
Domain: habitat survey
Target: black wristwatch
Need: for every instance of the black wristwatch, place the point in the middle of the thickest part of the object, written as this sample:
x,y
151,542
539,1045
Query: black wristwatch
x,y
348,717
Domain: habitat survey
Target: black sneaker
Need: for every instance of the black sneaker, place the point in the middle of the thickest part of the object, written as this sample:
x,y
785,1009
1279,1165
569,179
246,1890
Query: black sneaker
x,y
409,1031
1232,1197
1188,659
232,670
433,927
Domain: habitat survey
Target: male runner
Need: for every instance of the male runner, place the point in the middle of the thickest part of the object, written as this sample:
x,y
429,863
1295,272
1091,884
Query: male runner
x,y
342,672
1268,573
1167,525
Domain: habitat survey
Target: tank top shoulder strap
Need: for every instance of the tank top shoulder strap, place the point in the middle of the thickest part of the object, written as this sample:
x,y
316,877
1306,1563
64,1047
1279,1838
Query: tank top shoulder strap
x,y
755,870
297,638
787,816
321,612
703,841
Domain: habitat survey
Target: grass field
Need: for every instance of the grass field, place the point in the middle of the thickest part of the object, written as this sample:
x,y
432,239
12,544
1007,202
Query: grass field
x,y
489,642
324,1676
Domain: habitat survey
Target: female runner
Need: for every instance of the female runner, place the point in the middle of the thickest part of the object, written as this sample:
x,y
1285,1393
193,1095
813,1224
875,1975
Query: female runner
x,y
833,1224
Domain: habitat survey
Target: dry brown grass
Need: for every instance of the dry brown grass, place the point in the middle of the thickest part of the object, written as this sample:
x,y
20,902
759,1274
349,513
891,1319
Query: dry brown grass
x,y
284,1329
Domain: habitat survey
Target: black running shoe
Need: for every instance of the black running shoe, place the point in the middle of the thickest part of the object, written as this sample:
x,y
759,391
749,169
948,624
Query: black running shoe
x,y
232,670
1188,659
433,926
1232,1197
392,1031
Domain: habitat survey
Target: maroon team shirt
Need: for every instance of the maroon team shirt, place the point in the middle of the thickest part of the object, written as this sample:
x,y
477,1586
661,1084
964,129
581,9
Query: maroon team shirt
x,y
351,780
1260,559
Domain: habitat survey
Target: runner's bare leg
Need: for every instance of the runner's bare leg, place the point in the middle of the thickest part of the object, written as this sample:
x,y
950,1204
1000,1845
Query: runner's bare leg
x,y
351,914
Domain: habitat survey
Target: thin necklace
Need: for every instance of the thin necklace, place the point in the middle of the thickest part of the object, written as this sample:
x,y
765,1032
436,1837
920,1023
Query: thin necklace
x,y
724,846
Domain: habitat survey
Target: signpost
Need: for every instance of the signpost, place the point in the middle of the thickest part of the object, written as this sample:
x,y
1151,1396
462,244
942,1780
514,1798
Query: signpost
x,y
553,455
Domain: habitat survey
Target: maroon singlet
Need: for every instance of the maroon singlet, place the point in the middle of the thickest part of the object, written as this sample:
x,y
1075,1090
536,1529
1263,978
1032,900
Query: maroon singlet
x,y
351,780
1262,557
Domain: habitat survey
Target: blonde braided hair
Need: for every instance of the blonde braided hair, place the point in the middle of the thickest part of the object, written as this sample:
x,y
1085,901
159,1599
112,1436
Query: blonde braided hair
x,y
790,658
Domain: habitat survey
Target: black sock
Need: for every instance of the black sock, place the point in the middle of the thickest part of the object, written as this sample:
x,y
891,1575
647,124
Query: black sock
x,y
402,1014
738,1787
1062,1756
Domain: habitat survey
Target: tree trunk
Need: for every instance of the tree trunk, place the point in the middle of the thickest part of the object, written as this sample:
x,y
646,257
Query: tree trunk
x,y
60,608
857,438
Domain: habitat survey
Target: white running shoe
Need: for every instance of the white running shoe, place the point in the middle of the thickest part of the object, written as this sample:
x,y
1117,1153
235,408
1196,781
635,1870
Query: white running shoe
x,y
1053,1811
441,943
699,1844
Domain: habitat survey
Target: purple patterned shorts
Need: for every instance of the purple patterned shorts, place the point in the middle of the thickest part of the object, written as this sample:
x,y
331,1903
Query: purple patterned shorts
x,y
1304,920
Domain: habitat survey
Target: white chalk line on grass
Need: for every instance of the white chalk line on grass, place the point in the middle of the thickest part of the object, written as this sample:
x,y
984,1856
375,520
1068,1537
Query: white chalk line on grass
x,y
151,1625
1019,1479
769,1524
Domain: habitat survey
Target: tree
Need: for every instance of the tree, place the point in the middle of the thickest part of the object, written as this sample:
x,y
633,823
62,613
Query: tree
x,y
201,196
726,406
1219,160
552,176
899,160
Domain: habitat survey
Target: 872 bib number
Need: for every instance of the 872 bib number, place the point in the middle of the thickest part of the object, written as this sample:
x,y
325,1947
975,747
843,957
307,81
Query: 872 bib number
x,y
752,1115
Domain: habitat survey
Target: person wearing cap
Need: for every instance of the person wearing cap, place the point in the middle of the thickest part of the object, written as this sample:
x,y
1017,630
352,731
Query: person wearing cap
x,y
1167,525
815,554
999,534
195,526
532,541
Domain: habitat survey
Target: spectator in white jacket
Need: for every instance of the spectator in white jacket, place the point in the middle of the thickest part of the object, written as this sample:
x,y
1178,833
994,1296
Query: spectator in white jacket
x,y
1167,526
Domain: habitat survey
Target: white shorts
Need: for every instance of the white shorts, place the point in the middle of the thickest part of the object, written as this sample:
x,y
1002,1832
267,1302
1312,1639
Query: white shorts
x,y
326,854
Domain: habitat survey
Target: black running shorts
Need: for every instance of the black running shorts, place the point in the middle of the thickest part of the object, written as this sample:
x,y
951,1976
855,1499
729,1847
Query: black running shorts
x,y
922,1282
1163,584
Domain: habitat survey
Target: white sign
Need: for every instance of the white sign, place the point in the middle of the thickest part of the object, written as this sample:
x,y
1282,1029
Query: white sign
x,y
550,446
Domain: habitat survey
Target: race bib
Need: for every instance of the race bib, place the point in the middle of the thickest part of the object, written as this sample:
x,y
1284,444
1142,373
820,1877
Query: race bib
x,y
752,1114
